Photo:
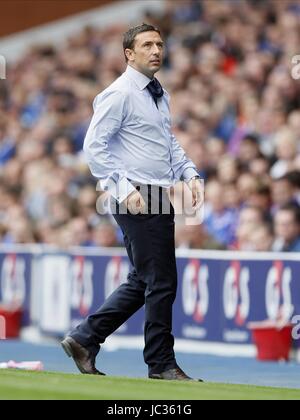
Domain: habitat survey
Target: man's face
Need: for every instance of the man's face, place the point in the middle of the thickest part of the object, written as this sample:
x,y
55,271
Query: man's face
x,y
282,192
286,227
250,217
261,240
147,53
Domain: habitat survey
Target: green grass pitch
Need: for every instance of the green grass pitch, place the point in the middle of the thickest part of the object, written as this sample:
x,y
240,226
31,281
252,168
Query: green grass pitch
x,y
16,385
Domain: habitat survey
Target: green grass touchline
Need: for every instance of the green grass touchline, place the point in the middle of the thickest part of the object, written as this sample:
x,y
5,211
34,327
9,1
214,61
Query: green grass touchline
x,y
44,385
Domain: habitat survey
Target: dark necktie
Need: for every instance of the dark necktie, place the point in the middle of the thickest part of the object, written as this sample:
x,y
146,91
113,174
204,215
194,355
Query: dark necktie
x,y
155,90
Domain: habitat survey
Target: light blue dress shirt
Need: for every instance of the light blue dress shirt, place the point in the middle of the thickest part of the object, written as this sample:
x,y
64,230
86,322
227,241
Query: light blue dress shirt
x,y
130,139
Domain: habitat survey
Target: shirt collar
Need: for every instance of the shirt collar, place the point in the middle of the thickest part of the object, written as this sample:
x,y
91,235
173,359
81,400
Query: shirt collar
x,y
139,78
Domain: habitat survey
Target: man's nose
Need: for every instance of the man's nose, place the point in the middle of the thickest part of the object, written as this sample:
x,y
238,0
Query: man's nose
x,y
156,50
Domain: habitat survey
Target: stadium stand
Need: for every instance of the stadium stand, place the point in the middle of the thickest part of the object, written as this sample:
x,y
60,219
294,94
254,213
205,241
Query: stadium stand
x,y
235,107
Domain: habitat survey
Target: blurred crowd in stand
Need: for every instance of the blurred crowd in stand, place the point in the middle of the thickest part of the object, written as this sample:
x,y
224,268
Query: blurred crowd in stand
x,y
235,111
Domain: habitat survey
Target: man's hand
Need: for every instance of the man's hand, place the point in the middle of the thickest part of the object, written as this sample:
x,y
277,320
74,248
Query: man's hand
x,y
196,186
135,203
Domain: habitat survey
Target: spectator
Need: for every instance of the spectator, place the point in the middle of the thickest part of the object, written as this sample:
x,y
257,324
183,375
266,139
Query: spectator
x,y
262,237
261,198
283,192
249,219
214,151
219,220
260,168
247,186
227,169
286,152
195,237
80,232
294,122
104,235
249,150
231,196
294,178
287,229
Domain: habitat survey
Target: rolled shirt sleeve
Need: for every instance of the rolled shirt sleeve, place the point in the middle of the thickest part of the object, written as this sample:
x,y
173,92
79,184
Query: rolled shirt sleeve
x,y
109,108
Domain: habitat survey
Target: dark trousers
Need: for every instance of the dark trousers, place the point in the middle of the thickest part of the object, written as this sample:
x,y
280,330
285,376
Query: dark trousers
x,y
149,240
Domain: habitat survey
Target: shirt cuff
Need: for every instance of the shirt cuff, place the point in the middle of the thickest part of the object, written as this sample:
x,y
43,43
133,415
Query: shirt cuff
x,y
121,189
188,174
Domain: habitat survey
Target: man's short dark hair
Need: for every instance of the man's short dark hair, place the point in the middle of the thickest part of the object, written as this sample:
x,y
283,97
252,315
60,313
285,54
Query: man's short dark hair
x,y
294,178
294,209
284,178
129,36
252,138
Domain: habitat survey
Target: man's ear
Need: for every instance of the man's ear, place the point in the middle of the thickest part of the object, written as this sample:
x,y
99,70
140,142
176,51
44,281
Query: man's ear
x,y
129,54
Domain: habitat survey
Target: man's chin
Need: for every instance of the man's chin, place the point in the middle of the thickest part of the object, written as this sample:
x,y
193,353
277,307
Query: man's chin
x,y
155,67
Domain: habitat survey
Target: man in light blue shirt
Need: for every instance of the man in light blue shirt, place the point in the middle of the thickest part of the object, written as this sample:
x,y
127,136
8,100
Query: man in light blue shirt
x,y
129,146
130,137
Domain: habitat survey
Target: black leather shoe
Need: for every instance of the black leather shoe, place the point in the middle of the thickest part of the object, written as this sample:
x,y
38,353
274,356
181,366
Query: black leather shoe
x,y
173,375
81,356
